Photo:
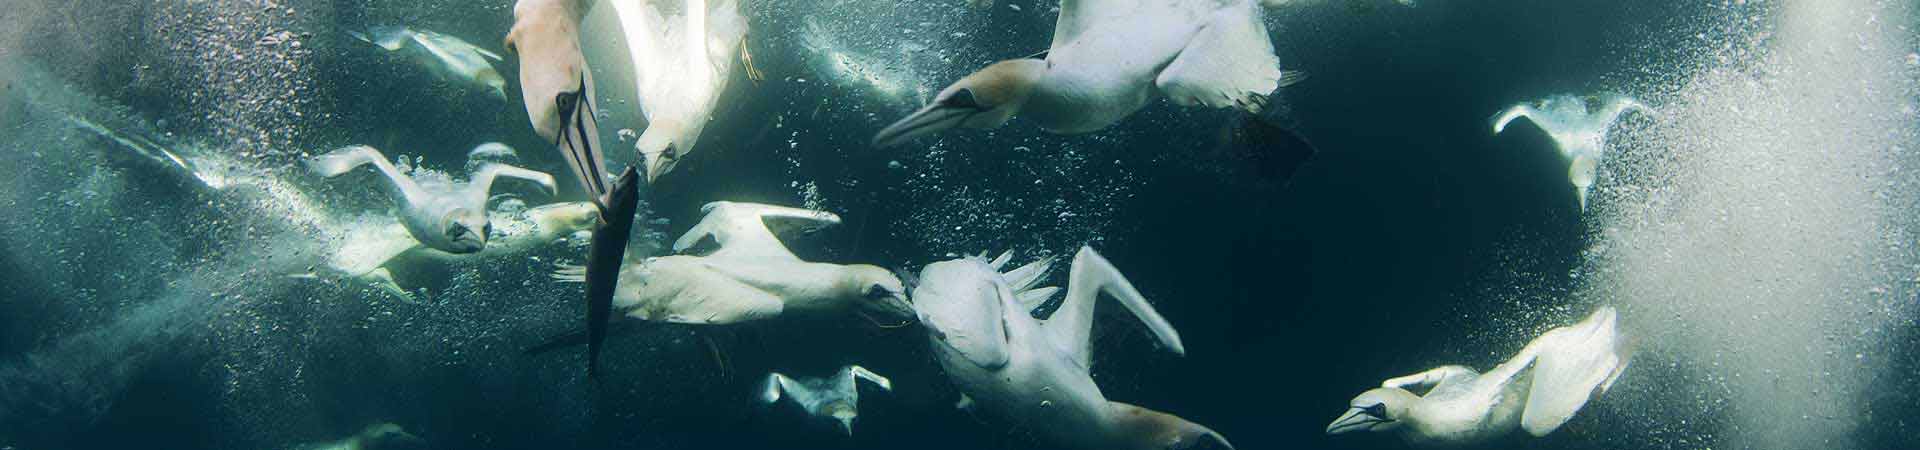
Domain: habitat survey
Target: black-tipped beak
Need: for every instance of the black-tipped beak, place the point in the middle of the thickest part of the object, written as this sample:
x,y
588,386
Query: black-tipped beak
x,y
931,119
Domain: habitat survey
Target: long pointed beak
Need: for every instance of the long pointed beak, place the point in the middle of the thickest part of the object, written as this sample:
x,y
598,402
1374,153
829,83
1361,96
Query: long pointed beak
x,y
658,163
1354,420
931,119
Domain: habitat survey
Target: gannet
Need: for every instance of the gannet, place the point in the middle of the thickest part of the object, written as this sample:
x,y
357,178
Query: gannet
x,y
750,276
680,70
836,397
372,249
447,56
450,217
1537,390
374,437
1035,372
1108,58
1579,132
558,90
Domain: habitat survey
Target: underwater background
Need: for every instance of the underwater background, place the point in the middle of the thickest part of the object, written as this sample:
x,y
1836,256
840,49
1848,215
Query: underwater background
x,y
1757,234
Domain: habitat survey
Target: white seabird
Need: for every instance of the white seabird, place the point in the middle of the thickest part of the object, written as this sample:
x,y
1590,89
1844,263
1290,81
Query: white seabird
x,y
1538,390
447,56
1579,132
1107,59
450,217
835,397
558,91
681,69
1036,372
370,250
751,275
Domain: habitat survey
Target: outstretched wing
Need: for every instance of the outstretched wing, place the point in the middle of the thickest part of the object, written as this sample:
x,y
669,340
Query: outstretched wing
x,y
742,229
1071,326
481,186
1506,116
1229,63
861,373
1614,105
1076,16
1572,365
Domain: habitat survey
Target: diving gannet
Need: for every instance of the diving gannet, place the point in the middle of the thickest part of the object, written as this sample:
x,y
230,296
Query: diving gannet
x,y
1108,58
1579,132
680,70
836,397
447,56
750,275
450,217
558,90
1537,390
1035,372
370,250
374,437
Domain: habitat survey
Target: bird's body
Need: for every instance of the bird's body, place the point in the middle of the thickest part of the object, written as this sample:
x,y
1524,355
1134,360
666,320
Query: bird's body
x,y
1537,390
445,215
750,276
835,397
1578,131
1033,372
1109,58
681,68
448,56
373,249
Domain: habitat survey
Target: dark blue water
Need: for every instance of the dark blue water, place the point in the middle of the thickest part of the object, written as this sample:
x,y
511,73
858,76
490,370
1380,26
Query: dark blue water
x,y
145,307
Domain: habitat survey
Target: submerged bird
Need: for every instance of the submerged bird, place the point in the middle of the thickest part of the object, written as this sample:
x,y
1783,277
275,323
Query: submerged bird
x,y
1579,131
836,397
447,56
680,70
1035,372
1537,390
558,91
375,437
446,216
372,251
1108,58
751,275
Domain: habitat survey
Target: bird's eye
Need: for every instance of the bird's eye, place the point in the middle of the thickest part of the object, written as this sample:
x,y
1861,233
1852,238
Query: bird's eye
x,y
1377,410
455,230
962,99
877,292
487,230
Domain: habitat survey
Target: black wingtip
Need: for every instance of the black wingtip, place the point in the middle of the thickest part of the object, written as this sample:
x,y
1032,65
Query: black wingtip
x,y
1275,152
608,250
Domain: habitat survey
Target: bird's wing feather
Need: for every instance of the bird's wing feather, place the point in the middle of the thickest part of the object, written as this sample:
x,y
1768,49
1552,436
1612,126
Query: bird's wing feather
x,y
1229,63
1573,364
742,229
1071,326
480,187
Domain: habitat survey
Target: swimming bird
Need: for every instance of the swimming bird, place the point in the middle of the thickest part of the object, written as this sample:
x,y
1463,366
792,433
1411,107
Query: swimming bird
x,y
1036,372
374,437
372,250
447,216
680,70
558,91
836,397
1537,390
1107,59
1580,132
447,56
748,274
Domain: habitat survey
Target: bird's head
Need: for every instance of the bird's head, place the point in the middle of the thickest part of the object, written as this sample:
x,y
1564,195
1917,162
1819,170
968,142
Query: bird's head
x,y
985,99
